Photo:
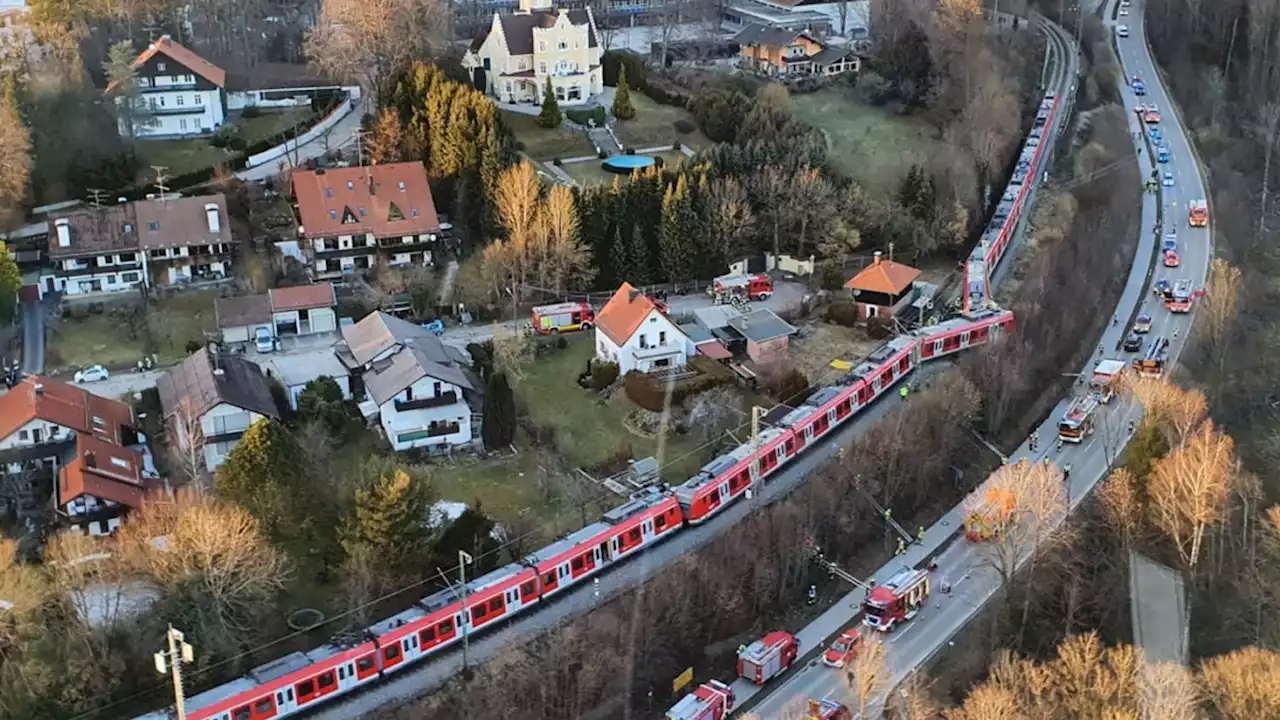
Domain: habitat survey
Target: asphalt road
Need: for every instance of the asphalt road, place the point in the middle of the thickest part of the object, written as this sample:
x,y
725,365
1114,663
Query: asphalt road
x,y
969,567
32,337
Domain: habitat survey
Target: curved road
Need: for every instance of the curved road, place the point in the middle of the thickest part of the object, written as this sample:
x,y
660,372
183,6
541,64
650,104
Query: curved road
x,y
967,567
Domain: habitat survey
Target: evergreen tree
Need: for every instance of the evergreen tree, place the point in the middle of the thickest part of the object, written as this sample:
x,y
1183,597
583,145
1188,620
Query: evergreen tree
x,y
622,107
471,533
676,256
321,402
621,263
499,425
10,284
551,116
267,474
391,520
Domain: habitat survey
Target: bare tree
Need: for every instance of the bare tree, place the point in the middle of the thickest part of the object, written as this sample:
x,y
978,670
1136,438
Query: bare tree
x,y
1242,684
15,164
1167,691
1219,310
913,700
1174,410
369,41
868,673
1189,489
1268,130
730,208
513,350
187,446
1122,504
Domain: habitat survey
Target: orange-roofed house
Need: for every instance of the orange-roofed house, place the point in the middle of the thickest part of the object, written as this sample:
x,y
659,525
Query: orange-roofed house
x,y
634,332
349,218
882,288
181,94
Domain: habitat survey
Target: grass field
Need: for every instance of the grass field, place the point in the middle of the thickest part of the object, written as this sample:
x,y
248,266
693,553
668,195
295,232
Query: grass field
x,y
868,144
590,173
184,156
109,338
653,125
543,144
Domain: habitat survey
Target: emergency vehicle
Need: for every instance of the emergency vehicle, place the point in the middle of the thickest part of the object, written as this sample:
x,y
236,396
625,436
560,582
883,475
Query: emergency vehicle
x,y
767,657
1179,297
710,701
745,287
843,649
896,601
1198,215
1152,364
989,516
1077,421
563,317
1150,115
827,709
1142,325
1106,375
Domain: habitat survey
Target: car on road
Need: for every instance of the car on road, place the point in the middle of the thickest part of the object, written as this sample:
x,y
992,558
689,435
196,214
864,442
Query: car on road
x,y
1170,242
1132,342
843,649
1156,135
1142,325
93,373
1162,287
263,340
1168,180
1124,11
1122,31
1171,259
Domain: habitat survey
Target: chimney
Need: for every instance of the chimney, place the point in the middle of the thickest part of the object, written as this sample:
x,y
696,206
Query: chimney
x,y
634,294
211,212
64,232
877,258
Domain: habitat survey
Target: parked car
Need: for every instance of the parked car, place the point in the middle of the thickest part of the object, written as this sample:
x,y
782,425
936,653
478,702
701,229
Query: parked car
x,y
95,373
843,649
1143,324
1133,342
1171,259
262,338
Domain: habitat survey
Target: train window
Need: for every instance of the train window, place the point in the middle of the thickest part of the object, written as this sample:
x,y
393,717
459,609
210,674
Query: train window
x,y
326,680
279,698
477,612
714,496
306,687
577,563
366,663
263,706
660,522
634,535
288,693
391,652
446,627
426,637
527,588
495,605
550,579
241,713
342,673
564,571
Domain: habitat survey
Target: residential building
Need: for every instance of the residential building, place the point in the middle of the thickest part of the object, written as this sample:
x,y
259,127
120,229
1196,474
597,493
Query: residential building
x,y
850,19
295,375
353,218
780,52
182,94
882,288
89,447
239,318
304,309
519,52
157,241
757,333
419,388
634,333
211,399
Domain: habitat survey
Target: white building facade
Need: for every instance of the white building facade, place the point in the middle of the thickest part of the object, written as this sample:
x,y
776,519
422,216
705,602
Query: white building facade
x,y
656,344
428,412
180,93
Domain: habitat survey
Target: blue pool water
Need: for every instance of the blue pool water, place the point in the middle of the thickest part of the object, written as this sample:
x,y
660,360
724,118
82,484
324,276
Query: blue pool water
x,y
624,164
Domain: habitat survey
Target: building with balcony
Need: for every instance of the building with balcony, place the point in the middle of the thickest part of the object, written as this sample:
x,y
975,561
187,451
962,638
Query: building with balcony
x,y
351,219
519,52
157,241
210,400
780,52
181,94
421,390
636,334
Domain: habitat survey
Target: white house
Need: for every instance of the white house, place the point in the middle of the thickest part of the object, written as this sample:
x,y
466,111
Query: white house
x,y
634,333
213,399
425,397
182,94
521,51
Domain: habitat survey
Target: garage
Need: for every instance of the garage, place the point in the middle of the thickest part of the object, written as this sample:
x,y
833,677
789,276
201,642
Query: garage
x,y
304,309
240,317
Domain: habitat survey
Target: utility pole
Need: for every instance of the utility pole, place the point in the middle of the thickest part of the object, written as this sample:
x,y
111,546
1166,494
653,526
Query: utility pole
x,y
756,412
170,662
463,561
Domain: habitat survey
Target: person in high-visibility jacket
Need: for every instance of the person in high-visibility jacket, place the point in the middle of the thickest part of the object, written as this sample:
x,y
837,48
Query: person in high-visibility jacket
x,y
904,391
902,546
920,535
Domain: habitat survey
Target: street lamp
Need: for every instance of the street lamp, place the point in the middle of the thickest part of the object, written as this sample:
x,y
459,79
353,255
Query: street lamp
x,y
179,653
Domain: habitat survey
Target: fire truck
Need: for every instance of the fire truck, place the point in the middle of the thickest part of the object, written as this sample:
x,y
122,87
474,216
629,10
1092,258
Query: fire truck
x,y
896,601
1106,376
563,317
743,287
1180,296
767,657
1198,215
710,701
1152,364
1077,421
827,709
990,516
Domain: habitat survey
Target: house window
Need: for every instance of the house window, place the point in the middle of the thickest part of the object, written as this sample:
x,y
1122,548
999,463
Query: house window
x,y
199,99
542,46
160,67
328,192
333,214
111,279
361,212
129,277
120,463
662,337
644,341
415,212
542,68
181,100
24,436
182,123
564,45
486,64
153,226
402,186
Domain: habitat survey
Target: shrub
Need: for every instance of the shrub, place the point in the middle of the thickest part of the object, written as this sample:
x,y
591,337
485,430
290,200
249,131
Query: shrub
x,y
843,313
789,386
622,107
561,343
878,327
237,144
584,116
193,346
603,374
603,155
676,146
684,126
658,161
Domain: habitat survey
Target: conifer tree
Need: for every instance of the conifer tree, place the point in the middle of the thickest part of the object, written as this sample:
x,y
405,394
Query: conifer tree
x,y
674,239
266,474
551,116
622,107
499,427
390,520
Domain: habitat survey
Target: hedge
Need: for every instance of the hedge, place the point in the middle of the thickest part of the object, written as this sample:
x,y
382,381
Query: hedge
x,y
582,117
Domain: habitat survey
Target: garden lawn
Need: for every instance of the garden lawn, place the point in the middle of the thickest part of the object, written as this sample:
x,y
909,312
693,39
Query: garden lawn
x,y
543,144
590,173
185,156
868,144
108,338
653,125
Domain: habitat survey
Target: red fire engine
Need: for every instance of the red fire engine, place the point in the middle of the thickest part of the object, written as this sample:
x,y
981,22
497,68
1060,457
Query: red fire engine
x,y
767,657
1077,421
1198,213
563,317
827,709
746,287
710,701
897,600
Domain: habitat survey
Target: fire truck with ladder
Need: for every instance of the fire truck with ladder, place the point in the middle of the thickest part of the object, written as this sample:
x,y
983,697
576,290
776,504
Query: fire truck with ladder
x,y
563,317
827,709
896,601
1077,421
727,288
1180,297
990,515
767,657
1152,364
1106,376
710,701
1198,213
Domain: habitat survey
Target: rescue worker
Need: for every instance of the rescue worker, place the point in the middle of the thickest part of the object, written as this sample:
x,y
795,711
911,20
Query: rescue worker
x,y
1066,471
920,535
904,391
1175,333
1099,349
902,546
1059,444
742,649
1115,321
1130,427
813,594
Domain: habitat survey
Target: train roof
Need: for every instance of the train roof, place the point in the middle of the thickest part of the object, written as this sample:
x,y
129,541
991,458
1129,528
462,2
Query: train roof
x,y
882,354
443,598
825,395
569,542
257,677
400,619
638,503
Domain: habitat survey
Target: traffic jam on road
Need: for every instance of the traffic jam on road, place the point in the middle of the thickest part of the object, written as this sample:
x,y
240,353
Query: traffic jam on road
x,y
1149,341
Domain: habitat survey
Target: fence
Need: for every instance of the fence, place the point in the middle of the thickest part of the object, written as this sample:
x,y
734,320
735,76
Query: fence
x,y
341,111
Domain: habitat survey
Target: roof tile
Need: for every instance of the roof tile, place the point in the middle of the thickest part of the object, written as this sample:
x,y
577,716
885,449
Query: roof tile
x,y
623,314
357,200
303,297
884,276
63,404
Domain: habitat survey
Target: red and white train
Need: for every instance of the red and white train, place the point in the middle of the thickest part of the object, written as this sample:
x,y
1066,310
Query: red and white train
x,y
1000,230
304,680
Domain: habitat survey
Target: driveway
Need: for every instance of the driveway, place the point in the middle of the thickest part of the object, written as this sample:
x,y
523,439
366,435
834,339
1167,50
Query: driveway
x,y
341,135
32,337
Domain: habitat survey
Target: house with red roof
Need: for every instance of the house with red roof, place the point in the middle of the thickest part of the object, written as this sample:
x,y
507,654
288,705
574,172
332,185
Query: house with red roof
x,y
635,332
882,288
180,94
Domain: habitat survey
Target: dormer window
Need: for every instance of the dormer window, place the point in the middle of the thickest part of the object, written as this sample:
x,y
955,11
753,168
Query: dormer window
x,y
393,213
333,214
160,67
153,227
351,185
348,217
402,186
